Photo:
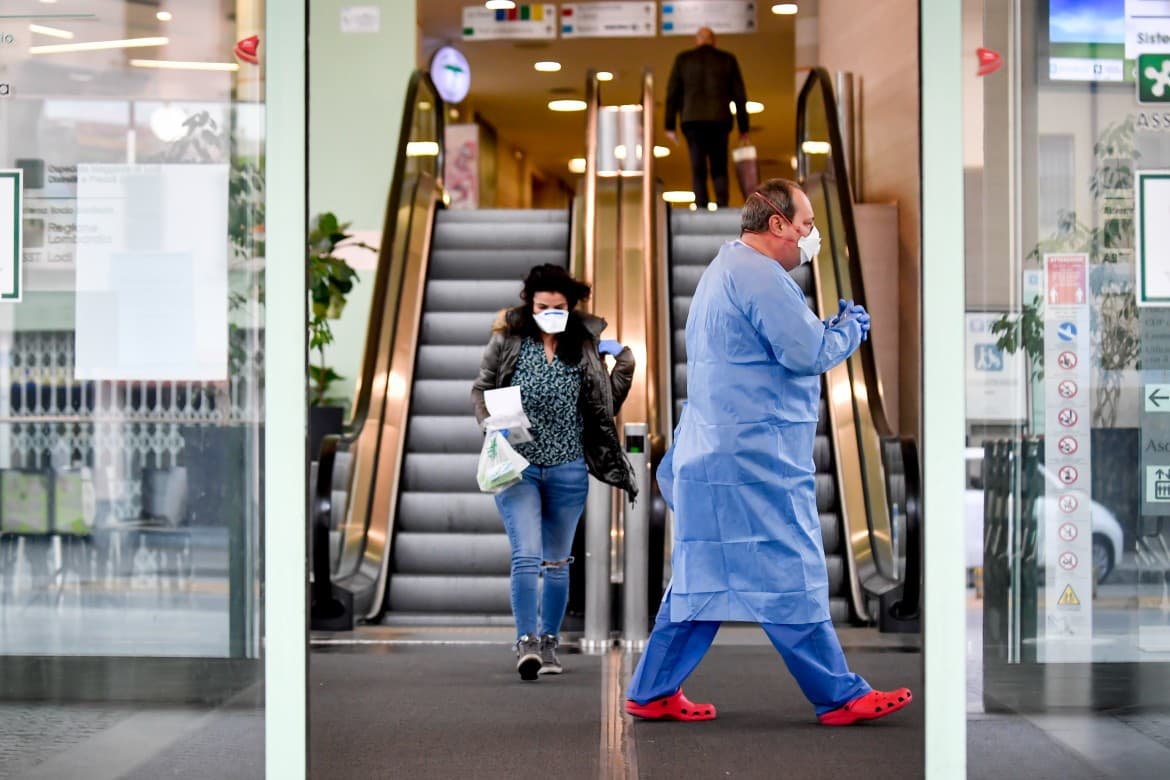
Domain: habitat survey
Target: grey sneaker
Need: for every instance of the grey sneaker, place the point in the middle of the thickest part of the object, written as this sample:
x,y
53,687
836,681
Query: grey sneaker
x,y
528,657
549,663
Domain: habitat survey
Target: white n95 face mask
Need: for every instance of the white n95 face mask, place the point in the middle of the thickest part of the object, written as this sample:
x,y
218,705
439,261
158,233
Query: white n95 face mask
x,y
552,320
810,246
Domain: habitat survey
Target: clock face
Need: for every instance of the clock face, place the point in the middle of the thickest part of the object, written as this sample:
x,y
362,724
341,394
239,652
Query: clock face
x,y
451,74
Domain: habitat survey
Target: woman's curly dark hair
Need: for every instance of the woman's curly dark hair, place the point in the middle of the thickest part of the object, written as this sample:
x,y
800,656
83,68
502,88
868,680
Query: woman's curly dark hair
x,y
555,279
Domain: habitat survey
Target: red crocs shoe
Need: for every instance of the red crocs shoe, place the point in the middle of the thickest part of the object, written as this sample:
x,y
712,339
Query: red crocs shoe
x,y
676,707
871,706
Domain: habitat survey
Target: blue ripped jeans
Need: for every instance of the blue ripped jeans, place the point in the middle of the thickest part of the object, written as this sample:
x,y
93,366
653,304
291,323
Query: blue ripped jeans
x,y
540,515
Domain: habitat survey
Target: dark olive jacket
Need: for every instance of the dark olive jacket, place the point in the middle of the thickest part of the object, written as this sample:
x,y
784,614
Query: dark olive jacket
x,y
703,82
602,392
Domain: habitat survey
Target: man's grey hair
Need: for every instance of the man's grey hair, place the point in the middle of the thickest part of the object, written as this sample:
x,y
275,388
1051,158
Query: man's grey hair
x,y
757,209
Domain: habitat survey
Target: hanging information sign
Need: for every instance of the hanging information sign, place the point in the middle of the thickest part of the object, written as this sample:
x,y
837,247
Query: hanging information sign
x,y
531,20
728,17
608,20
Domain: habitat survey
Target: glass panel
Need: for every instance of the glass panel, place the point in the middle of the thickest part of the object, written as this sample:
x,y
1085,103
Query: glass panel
x,y
1066,537
132,370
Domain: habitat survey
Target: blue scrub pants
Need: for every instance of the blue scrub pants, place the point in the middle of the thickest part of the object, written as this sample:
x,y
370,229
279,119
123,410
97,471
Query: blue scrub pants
x,y
810,650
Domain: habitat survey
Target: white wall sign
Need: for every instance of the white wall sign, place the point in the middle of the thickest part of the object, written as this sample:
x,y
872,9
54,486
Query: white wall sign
x,y
11,231
609,20
152,290
1147,27
361,19
995,379
729,17
1067,516
1152,233
529,20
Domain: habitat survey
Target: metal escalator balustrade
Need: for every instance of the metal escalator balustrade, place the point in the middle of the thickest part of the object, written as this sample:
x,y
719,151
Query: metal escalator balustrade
x,y
450,555
695,239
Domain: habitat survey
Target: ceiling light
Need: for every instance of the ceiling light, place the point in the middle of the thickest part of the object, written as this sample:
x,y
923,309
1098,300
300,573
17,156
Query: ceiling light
x,y
619,151
52,32
499,5
794,162
164,16
678,196
753,107
566,105
577,165
661,151
424,105
712,206
177,65
547,66
816,147
127,43
604,75
784,9
422,149
166,122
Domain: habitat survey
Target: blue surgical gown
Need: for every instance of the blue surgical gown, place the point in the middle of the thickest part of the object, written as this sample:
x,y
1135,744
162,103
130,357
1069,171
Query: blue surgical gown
x,y
740,474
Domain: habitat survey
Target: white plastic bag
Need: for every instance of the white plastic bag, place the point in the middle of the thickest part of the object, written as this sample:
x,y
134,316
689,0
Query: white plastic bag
x,y
500,466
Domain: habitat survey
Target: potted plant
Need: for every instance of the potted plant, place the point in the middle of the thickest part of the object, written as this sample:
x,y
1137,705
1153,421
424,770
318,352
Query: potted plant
x,y
331,279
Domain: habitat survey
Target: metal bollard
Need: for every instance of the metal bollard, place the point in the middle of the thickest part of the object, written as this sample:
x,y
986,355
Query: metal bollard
x,y
597,586
635,619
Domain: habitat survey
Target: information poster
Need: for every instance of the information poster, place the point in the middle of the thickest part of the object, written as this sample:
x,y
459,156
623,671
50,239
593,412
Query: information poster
x,y
728,17
461,165
1067,515
609,20
529,20
11,230
1153,237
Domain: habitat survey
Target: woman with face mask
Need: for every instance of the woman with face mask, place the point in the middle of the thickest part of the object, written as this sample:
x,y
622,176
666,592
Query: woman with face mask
x,y
555,355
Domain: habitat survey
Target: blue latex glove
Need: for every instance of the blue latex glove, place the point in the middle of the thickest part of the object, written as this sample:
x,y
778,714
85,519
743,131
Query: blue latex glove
x,y
609,347
843,306
504,432
858,312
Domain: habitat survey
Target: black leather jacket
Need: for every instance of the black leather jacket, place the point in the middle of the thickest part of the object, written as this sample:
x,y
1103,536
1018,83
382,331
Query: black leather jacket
x,y
602,393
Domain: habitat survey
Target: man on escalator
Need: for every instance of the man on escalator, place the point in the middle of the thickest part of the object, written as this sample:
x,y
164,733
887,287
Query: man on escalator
x,y
740,476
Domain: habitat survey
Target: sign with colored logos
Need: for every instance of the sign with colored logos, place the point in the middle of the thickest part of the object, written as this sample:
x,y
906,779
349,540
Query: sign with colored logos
x,y
1068,617
730,17
609,20
1153,237
530,20
11,227
995,379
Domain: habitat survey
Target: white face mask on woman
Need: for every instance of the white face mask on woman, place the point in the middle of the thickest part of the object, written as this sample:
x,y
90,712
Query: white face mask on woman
x,y
810,246
552,320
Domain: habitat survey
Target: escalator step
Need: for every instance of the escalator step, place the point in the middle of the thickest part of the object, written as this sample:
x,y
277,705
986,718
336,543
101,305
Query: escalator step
x,y
464,295
441,396
498,263
459,555
444,434
441,362
685,278
697,251
826,493
831,532
463,513
822,454
440,473
724,222
457,328
836,568
803,277
480,235
456,595
502,217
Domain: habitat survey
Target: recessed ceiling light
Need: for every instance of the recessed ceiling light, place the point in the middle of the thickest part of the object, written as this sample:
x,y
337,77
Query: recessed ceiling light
x,y
577,165
127,43
566,105
604,75
547,66
661,151
619,151
52,32
422,149
499,5
712,206
230,67
785,9
164,16
424,105
816,147
753,107
678,196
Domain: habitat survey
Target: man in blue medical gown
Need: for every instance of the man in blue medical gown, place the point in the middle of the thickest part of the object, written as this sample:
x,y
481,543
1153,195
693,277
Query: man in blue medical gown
x,y
740,475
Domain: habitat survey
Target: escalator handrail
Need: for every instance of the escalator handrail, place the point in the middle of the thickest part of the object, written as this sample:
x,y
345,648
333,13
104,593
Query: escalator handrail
x,y
819,77
321,510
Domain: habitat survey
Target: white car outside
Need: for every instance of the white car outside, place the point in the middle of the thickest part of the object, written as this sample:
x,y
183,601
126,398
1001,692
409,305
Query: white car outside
x,y
1107,533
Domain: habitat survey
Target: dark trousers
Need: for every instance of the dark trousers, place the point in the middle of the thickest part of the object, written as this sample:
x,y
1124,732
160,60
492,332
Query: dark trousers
x,y
707,143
